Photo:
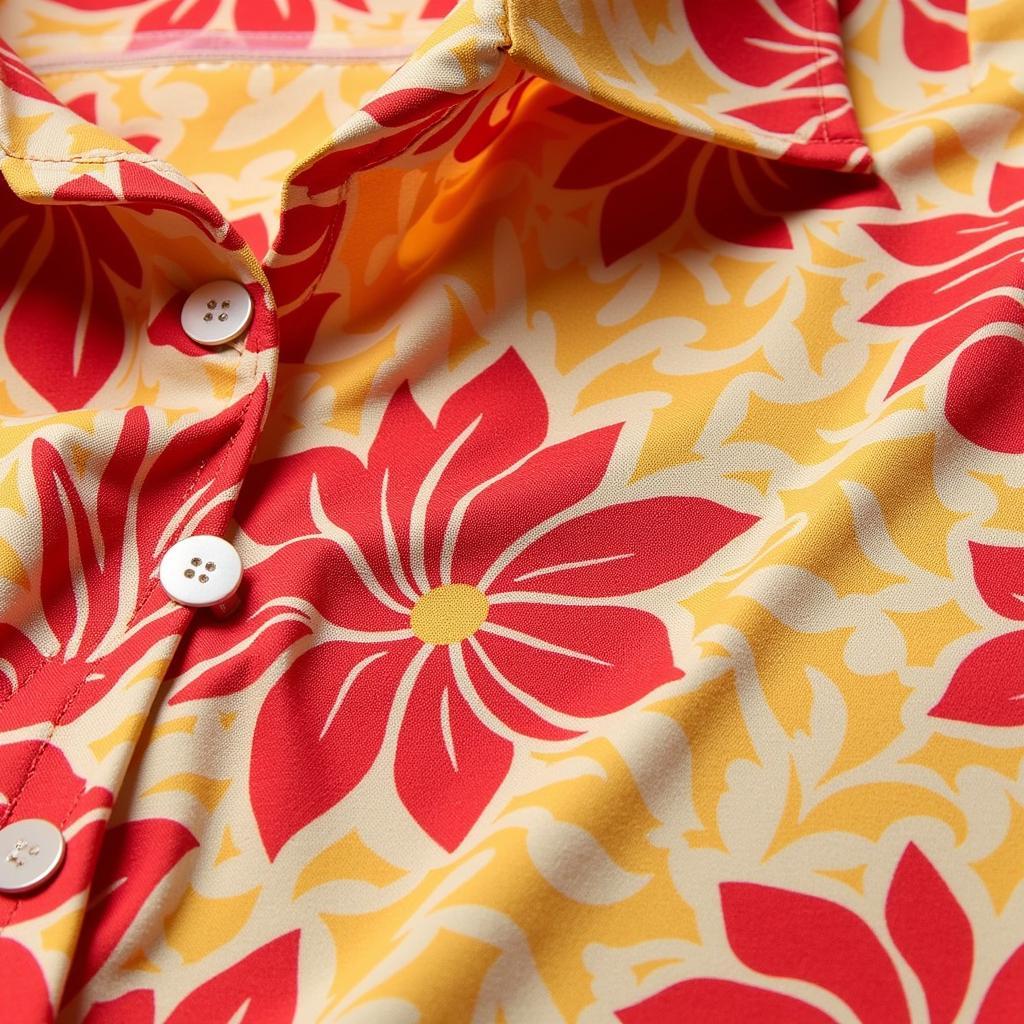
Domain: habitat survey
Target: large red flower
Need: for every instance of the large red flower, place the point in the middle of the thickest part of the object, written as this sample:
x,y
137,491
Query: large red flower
x,y
988,686
787,934
468,585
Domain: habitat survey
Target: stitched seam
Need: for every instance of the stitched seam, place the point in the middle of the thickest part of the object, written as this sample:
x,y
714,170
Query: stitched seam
x,y
108,156
159,58
818,57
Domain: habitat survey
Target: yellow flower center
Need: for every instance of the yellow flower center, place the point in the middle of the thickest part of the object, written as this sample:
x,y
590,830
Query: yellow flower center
x,y
449,614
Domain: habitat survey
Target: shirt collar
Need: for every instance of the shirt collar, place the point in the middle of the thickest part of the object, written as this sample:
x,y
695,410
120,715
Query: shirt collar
x,y
764,78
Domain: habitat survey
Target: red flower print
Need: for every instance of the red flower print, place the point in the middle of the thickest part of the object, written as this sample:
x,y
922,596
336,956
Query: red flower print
x,y
62,789
934,32
101,541
797,42
651,175
292,20
67,341
23,985
788,934
135,857
475,594
979,260
262,987
988,685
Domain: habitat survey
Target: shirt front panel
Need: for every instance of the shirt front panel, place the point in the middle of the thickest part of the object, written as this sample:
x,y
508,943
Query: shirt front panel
x,y
628,620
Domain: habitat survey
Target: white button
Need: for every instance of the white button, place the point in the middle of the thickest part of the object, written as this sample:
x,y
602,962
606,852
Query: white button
x,y
200,571
216,313
31,852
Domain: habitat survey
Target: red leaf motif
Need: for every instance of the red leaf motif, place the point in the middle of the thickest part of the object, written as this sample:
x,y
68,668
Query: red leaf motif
x,y
624,549
263,987
985,399
24,996
793,935
938,341
644,207
988,686
930,43
604,658
319,731
1005,995
267,16
135,1007
932,932
999,575
406,106
135,858
619,150
173,15
67,341
1007,186
449,764
553,479
710,1001
926,243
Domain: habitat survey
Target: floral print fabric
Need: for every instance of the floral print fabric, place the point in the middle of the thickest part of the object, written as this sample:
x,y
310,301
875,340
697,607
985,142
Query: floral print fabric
x,y
624,459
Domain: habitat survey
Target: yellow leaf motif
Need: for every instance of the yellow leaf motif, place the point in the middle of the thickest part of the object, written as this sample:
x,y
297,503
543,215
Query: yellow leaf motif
x,y
349,859
866,810
200,924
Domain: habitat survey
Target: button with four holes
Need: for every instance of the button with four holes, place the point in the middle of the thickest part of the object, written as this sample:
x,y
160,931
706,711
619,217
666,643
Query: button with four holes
x,y
217,313
31,853
201,571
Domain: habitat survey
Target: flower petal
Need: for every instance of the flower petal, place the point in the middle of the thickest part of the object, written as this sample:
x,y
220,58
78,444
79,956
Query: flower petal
x,y
135,1007
793,935
948,334
713,1001
628,548
448,764
936,240
1005,995
505,706
988,686
509,419
640,209
553,479
264,624
599,659
618,150
985,398
24,988
262,987
932,932
319,731
136,856
999,575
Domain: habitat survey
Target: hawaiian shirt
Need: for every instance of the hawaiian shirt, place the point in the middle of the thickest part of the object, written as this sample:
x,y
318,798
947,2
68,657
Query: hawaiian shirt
x,y
616,438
